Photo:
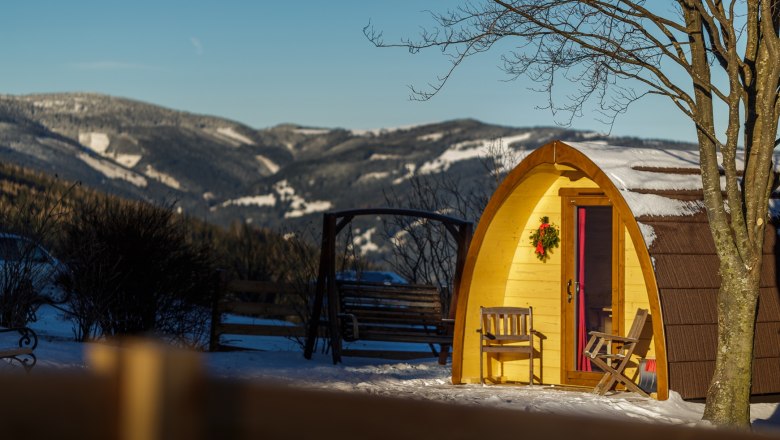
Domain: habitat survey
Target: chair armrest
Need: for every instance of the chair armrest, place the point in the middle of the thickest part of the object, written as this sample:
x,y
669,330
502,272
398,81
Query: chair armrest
x,y
612,337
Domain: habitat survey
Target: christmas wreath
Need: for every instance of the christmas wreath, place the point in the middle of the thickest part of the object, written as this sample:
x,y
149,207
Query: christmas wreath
x,y
544,237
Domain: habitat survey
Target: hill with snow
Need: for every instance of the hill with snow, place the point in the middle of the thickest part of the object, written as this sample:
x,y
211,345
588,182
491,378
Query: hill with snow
x,y
223,171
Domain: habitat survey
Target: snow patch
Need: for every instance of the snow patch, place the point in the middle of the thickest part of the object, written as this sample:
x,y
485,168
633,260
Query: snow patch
x,y
648,233
127,160
653,204
284,189
368,177
49,103
624,166
363,241
381,131
99,143
113,171
298,205
268,163
591,135
410,168
456,153
432,137
161,177
466,150
312,131
261,200
77,107
632,170
231,133
301,207
95,141
379,156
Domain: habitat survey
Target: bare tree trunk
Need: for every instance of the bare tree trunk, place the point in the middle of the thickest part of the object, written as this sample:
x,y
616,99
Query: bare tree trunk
x,y
729,392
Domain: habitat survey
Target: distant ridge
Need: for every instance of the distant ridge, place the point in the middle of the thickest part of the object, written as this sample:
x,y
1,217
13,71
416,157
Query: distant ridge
x,y
224,171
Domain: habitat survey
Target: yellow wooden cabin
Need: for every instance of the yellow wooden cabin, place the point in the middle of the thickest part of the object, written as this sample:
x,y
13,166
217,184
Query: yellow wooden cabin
x,y
633,235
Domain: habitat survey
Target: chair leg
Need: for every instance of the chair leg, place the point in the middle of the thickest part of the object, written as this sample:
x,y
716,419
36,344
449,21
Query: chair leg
x,y
611,376
444,351
531,372
481,377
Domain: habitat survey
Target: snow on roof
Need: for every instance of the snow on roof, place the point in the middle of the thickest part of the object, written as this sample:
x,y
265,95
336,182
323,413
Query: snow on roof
x,y
627,167
637,172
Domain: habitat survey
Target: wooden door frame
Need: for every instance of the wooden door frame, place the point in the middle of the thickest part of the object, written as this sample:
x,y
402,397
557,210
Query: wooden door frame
x,y
571,198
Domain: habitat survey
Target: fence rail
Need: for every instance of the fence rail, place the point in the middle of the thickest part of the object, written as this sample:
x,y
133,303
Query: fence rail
x,y
282,303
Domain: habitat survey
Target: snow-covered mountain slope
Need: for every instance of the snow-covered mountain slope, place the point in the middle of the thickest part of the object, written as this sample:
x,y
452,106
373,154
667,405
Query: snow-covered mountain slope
x,y
224,171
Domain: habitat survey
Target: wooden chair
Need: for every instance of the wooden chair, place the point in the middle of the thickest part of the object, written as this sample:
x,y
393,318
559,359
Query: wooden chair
x,y
507,330
598,350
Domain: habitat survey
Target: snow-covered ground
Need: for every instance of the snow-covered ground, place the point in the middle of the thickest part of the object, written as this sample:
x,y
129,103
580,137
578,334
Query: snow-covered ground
x,y
281,361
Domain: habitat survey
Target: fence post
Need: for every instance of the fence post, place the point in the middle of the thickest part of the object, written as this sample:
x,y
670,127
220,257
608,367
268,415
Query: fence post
x,y
216,315
159,389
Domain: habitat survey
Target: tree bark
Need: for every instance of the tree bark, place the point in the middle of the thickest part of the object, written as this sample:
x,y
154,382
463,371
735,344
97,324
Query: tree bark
x,y
728,396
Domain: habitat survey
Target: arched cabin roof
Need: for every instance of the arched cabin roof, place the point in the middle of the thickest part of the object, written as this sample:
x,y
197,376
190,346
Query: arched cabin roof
x,y
660,188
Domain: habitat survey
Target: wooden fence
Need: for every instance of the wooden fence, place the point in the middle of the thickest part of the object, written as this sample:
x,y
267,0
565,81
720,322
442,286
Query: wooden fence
x,y
142,391
280,308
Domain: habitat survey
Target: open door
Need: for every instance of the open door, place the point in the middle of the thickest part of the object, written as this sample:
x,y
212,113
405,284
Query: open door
x,y
590,294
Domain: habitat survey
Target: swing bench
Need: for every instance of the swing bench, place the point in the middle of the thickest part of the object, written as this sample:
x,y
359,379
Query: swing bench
x,y
393,313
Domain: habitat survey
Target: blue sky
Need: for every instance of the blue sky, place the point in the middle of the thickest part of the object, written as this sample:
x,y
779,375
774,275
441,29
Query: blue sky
x,y
267,62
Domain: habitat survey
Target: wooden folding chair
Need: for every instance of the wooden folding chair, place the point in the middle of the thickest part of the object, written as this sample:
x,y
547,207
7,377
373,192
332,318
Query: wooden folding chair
x,y
624,348
502,326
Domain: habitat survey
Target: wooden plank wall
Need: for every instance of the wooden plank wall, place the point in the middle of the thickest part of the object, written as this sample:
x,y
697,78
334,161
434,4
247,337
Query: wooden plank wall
x,y
524,280
509,274
636,298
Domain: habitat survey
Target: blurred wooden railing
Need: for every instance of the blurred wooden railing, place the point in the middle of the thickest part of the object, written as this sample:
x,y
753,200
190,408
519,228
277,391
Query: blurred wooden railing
x,y
144,391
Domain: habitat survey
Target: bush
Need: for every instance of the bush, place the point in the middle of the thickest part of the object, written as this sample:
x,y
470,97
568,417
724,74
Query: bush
x,y
134,270
30,218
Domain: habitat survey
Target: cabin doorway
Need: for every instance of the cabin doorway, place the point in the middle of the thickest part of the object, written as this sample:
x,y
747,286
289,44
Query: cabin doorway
x,y
589,274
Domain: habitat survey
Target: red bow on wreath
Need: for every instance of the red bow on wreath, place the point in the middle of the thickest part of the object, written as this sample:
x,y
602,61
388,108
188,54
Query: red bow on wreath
x,y
539,244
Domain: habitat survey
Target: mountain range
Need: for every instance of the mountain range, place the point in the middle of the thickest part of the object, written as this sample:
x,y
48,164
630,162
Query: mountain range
x,y
223,171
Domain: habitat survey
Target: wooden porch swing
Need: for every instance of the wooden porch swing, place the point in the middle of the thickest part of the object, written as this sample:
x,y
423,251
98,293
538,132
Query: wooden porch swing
x,y
380,312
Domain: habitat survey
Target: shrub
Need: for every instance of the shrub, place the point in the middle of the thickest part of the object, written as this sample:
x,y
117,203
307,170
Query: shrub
x,y
30,215
134,270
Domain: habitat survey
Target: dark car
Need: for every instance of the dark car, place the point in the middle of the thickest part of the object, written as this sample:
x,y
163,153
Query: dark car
x,y
371,277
